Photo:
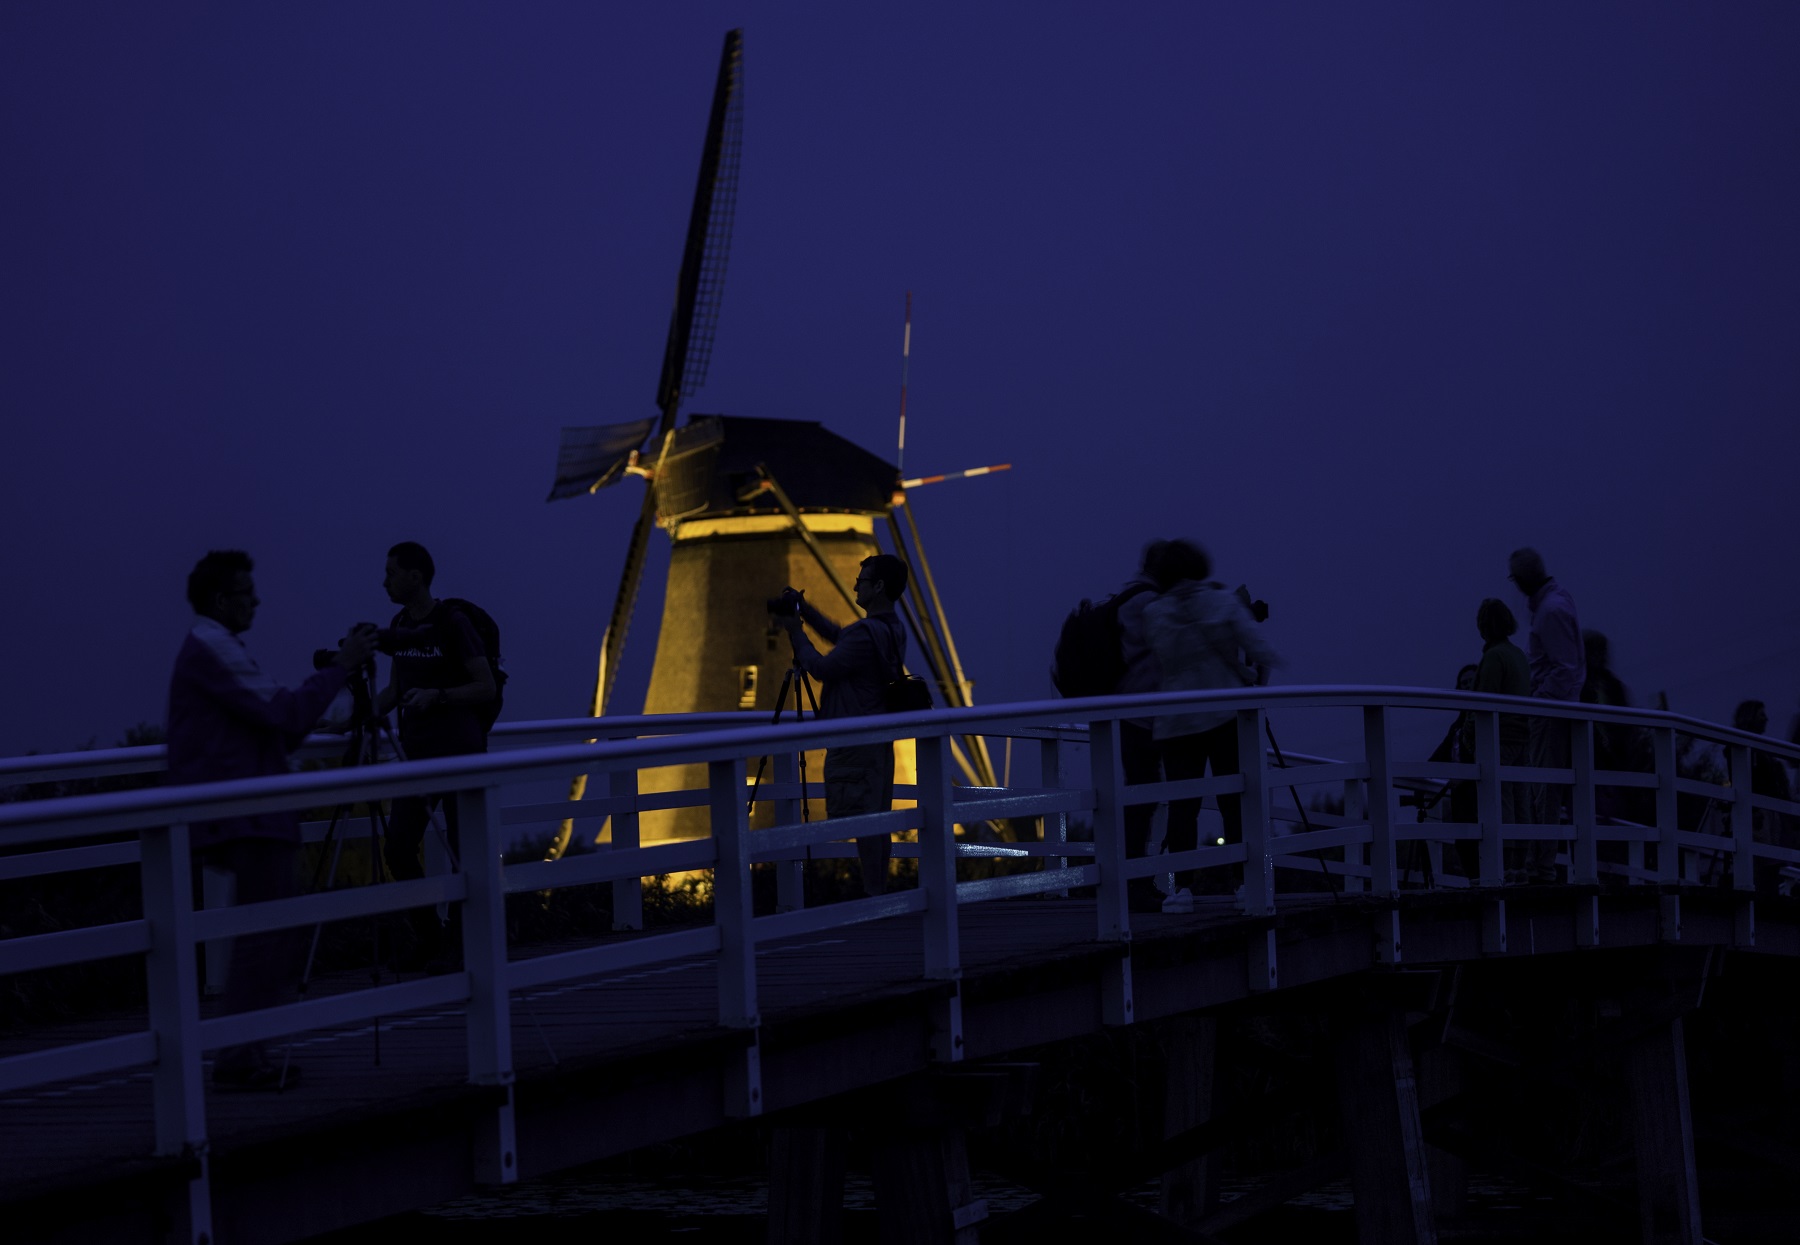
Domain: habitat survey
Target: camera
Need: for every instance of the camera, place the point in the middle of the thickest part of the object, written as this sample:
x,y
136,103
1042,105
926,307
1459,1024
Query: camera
x,y
388,640
788,603
1259,610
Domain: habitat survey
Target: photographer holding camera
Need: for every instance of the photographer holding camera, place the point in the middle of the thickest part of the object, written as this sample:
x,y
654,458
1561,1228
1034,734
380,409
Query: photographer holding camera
x,y
227,719
444,684
867,655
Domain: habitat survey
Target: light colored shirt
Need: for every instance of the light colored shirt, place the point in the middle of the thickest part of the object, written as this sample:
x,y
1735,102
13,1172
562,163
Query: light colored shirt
x,y
227,719
1198,631
1558,660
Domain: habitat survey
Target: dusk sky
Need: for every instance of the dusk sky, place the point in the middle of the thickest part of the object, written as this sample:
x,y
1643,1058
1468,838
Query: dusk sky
x,y
1359,296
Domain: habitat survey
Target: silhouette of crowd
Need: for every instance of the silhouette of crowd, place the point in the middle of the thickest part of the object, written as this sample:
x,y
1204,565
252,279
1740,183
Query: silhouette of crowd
x,y
1179,629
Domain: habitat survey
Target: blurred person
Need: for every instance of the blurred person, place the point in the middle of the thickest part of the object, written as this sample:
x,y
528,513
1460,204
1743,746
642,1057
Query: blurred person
x,y
1102,652
1768,777
227,719
866,656
1616,746
1459,794
1558,668
1203,637
1504,671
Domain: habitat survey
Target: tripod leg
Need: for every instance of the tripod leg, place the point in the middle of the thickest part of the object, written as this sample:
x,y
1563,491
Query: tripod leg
x,y
774,720
330,879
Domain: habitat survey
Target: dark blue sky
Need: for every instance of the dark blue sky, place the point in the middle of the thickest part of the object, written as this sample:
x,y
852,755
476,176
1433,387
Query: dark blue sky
x,y
1360,297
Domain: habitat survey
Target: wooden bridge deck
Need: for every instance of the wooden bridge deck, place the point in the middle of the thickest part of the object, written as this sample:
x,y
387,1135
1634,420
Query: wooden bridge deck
x,y
615,1062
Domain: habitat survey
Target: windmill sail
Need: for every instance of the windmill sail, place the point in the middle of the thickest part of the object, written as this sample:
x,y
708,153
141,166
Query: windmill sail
x,y
592,458
698,292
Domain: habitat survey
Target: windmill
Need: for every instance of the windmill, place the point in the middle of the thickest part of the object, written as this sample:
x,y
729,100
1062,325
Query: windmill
x,y
750,505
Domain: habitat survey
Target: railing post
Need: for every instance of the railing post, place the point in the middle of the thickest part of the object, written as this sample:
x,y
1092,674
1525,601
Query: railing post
x,y
178,1087
737,943
937,858
1488,805
1117,994
627,893
1355,809
1382,810
937,878
1668,849
1056,825
1743,820
1259,863
1584,854
731,896
1109,830
790,875
484,957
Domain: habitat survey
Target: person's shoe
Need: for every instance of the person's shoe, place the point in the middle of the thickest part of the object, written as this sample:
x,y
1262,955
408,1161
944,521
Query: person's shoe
x,y
1181,902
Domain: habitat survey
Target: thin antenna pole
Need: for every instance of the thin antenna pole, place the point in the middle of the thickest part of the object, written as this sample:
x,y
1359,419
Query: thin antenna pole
x,y
905,359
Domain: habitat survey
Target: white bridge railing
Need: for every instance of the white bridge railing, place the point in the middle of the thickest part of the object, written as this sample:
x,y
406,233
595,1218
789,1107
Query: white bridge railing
x,y
1365,849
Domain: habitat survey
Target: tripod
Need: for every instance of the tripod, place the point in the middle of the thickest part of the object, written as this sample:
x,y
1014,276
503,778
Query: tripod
x,y
793,680
368,732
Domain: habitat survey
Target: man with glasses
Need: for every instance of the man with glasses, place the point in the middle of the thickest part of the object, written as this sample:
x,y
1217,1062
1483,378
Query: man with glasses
x,y
866,656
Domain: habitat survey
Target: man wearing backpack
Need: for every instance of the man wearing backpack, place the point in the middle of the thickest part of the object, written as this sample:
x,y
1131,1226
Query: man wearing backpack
x,y
444,683
1103,651
867,656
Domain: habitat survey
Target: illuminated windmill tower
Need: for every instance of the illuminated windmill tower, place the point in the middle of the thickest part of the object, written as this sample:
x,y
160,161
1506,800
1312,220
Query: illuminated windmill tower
x,y
751,506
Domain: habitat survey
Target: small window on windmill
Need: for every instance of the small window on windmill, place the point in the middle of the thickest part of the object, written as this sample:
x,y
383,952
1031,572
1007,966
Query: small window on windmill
x,y
746,682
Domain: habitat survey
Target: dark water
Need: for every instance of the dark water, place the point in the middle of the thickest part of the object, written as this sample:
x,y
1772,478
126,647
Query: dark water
x,y
729,1210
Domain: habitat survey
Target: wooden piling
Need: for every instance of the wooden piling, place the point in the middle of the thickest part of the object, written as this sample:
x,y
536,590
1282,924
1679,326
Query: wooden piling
x,y
1663,1136
1190,1191
806,1185
1379,1102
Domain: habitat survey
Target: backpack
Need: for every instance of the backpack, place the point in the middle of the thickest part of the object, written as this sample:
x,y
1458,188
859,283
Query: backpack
x,y
904,693
1089,659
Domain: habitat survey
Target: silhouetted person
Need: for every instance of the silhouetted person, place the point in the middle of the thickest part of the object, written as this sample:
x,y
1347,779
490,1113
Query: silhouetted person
x,y
1558,669
1504,671
443,683
1201,634
227,719
1459,796
866,656
1768,777
1139,756
1616,746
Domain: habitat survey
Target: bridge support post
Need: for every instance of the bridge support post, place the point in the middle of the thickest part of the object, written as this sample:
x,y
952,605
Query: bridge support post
x,y
1489,806
627,893
737,941
1056,825
1384,878
1259,861
806,1185
490,1001
1584,848
1379,1101
1663,1136
1190,1192
1668,847
177,1083
1109,831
